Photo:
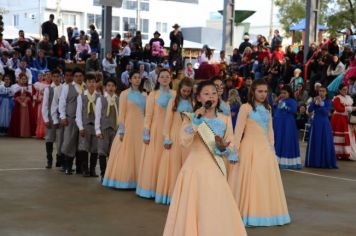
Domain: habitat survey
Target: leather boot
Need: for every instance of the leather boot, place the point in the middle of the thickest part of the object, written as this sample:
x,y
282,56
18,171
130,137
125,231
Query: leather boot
x,y
69,165
59,161
78,163
102,163
93,161
84,159
49,151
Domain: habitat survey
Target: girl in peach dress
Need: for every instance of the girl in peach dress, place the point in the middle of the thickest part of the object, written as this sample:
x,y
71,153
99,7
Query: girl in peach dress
x,y
256,181
224,107
156,107
202,202
125,155
174,155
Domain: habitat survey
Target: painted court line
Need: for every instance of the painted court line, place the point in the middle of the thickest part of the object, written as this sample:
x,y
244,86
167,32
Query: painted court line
x,y
22,169
324,176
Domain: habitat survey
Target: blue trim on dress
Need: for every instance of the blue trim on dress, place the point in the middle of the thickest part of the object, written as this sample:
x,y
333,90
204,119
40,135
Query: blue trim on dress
x,y
189,129
184,105
163,98
145,193
225,110
137,98
118,184
167,142
217,125
266,221
261,115
146,135
121,129
163,199
297,166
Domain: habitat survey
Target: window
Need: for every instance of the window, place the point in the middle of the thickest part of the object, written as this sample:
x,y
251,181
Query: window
x,y
95,20
16,20
69,20
161,27
132,5
144,28
115,25
129,23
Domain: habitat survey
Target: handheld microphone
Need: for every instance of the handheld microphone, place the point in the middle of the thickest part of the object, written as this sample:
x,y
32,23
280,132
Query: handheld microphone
x,y
207,105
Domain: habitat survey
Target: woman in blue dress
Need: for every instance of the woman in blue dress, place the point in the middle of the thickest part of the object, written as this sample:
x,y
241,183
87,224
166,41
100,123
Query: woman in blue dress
x,y
6,104
285,130
320,150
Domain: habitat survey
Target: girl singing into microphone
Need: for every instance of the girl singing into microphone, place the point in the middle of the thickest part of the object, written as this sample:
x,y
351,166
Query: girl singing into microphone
x,y
202,202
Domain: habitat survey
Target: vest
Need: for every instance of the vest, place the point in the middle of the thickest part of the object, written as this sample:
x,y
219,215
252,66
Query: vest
x,y
108,121
71,101
50,99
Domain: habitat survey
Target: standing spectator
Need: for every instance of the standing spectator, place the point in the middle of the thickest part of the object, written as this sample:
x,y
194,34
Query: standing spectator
x,y
51,29
128,37
244,90
189,71
346,55
109,66
92,64
21,43
287,70
137,40
4,45
276,40
175,59
279,53
299,58
245,43
73,41
312,50
176,36
46,45
301,117
116,44
350,39
94,39
333,47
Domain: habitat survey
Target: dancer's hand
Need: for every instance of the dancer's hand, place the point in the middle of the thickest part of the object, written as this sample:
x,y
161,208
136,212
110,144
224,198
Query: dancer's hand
x,y
48,125
167,146
200,112
100,136
64,122
146,142
221,143
82,133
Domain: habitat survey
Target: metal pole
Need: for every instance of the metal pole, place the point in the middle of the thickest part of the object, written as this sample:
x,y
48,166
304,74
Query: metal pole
x,y
311,24
106,31
138,15
228,26
270,36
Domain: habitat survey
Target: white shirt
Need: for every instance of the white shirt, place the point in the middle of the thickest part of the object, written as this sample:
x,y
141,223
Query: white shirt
x,y
98,107
144,75
12,63
45,104
125,77
6,90
78,114
109,67
6,65
5,46
153,77
28,74
16,87
125,52
63,99
55,103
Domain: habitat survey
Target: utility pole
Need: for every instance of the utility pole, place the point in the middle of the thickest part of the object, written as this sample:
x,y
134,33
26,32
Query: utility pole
x,y
270,36
59,17
228,26
311,24
138,15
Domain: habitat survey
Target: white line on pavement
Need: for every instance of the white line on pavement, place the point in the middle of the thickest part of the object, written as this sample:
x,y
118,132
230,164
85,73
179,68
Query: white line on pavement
x,y
324,176
21,169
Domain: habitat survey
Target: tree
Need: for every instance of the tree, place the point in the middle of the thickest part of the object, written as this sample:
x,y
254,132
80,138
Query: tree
x,y
342,15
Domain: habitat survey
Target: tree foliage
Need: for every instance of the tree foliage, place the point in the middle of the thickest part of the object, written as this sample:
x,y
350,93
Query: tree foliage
x,y
341,15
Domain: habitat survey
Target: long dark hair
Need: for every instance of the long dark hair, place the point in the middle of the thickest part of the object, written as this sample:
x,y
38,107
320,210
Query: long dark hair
x,y
157,83
200,87
184,82
132,73
251,94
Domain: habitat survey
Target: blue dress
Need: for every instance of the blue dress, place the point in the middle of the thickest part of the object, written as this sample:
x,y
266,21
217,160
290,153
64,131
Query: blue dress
x,y
320,150
286,135
234,108
6,106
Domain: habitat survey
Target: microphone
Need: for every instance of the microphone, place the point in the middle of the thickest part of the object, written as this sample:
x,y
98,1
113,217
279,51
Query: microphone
x,y
207,105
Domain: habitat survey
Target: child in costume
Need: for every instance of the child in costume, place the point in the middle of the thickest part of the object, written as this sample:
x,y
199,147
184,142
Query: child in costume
x,y
6,104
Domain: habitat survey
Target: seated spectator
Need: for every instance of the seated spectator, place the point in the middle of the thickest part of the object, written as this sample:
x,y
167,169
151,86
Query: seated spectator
x,y
21,43
301,95
5,61
109,66
41,62
189,71
278,53
287,70
46,45
302,117
146,58
346,55
137,40
244,90
175,59
143,73
15,60
83,50
236,57
73,41
290,54
223,59
333,47
352,86
274,73
335,68
61,48
116,44
296,79
126,75
245,43
29,58
299,58
92,64
246,65
124,55
207,55
157,50
4,45
154,74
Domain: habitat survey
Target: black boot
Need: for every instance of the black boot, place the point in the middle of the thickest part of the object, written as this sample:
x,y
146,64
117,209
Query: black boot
x,y
49,151
78,163
59,161
102,163
84,158
69,165
93,161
